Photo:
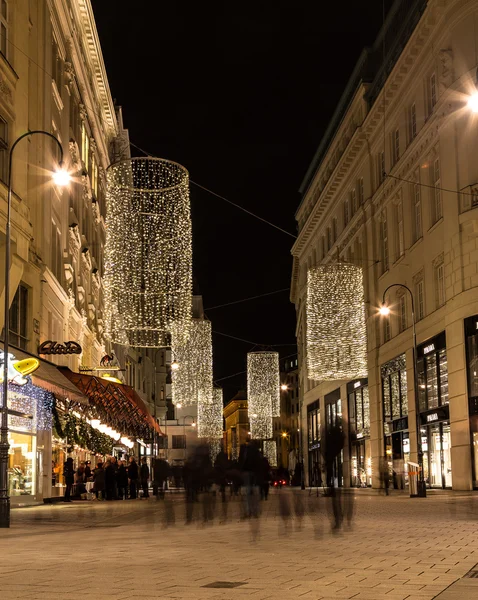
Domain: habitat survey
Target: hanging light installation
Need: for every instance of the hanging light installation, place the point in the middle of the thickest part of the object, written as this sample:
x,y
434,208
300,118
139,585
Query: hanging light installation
x,y
270,452
210,417
263,392
148,252
336,332
191,382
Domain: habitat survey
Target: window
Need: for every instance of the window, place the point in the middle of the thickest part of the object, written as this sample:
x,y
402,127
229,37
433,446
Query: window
x,y
417,212
413,121
179,442
19,318
74,117
94,176
420,300
3,27
394,389
162,442
85,146
400,234
55,65
361,196
381,167
403,314
437,203
346,211
353,201
433,91
324,252
3,149
384,241
329,239
440,284
334,230
395,146
56,251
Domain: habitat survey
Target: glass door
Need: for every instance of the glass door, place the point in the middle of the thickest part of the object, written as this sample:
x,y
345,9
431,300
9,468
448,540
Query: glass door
x,y
446,446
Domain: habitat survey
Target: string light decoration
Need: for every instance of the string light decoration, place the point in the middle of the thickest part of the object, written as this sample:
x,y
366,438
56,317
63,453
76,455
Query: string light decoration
x,y
269,450
191,382
210,417
34,407
336,332
148,252
263,392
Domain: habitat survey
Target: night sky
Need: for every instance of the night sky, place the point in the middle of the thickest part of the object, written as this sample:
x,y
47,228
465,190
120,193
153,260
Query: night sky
x,y
240,94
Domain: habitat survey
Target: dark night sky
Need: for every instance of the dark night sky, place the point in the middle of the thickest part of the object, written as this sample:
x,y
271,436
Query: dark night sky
x,y
239,93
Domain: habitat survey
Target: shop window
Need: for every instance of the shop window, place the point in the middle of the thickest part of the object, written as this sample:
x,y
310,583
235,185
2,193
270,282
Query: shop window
x,y
21,464
3,27
3,149
432,379
394,389
19,318
179,442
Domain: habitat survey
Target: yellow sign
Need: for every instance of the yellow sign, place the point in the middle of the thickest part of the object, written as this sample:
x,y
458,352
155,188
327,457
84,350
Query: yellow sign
x,y
18,369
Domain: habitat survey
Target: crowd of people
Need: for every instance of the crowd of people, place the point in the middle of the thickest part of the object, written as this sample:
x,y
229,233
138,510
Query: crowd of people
x,y
112,480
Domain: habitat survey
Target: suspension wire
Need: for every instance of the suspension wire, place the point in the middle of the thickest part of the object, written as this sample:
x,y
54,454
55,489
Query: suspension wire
x,y
247,299
242,372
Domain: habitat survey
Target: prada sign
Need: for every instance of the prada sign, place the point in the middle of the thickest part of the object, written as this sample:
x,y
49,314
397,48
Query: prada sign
x,y
441,413
50,347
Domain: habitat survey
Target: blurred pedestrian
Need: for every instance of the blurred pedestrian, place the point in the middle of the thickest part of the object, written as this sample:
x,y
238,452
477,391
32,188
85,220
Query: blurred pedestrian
x,y
384,474
250,464
334,444
265,475
161,472
99,481
122,481
69,475
133,475
144,476
110,480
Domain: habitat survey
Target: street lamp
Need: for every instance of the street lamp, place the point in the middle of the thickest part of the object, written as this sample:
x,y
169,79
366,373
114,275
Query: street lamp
x,y
61,177
385,311
473,102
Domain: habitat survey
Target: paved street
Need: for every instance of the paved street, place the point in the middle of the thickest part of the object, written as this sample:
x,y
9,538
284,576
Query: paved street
x,y
397,548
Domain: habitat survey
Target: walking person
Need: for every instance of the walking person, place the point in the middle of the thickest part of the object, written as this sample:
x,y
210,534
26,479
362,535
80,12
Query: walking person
x,y
69,475
133,475
99,481
122,481
334,443
144,475
110,480
160,475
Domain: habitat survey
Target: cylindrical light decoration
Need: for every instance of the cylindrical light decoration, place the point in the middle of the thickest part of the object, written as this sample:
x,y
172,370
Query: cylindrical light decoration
x,y
148,252
336,332
191,382
270,452
210,417
263,392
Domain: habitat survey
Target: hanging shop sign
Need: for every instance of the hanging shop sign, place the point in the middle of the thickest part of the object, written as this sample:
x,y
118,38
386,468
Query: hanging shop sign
x,y
434,345
50,347
442,413
18,369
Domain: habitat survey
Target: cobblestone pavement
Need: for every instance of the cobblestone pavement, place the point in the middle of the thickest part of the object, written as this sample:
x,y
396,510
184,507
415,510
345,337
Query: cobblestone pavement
x,y
397,548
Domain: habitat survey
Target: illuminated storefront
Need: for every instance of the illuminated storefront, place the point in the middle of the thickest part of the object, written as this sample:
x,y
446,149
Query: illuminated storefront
x,y
395,418
434,412
471,337
313,442
359,427
333,417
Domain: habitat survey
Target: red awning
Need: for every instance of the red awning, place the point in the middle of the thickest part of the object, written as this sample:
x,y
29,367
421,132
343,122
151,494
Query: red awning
x,y
117,404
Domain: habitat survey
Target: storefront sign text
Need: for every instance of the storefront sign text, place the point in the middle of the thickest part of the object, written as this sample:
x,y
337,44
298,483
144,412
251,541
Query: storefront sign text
x,y
428,348
432,417
357,384
50,347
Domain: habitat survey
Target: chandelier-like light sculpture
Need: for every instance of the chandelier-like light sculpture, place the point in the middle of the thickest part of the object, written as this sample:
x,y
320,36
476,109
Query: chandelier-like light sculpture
x,y
336,332
148,252
270,452
210,416
263,392
191,382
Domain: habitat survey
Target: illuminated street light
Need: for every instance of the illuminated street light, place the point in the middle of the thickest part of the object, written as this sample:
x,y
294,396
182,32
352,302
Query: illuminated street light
x,y
473,102
384,310
61,177
174,366
284,387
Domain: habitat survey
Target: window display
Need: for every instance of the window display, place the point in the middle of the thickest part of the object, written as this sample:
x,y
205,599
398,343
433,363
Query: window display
x,y
21,464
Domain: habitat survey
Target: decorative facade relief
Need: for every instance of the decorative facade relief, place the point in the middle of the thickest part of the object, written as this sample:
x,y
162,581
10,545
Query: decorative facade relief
x,y
446,72
74,242
74,156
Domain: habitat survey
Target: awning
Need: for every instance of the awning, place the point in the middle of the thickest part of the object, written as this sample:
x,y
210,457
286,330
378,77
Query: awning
x,y
118,405
48,377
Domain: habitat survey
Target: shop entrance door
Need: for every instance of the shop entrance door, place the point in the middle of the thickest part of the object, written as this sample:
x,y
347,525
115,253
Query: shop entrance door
x,y
437,456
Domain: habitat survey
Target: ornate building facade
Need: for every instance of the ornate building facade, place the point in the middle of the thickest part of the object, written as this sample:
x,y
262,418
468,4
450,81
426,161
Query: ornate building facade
x,y
392,189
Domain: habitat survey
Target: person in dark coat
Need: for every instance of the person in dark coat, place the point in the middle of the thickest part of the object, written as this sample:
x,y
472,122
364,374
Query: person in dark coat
x,y
144,475
265,478
221,468
99,481
334,443
133,475
161,472
69,474
122,480
250,463
110,480
88,470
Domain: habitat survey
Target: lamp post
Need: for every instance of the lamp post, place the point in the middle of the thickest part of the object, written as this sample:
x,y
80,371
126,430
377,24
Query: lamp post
x,y
385,310
61,177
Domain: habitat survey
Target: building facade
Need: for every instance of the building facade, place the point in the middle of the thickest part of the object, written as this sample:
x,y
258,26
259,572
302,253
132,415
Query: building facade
x,y
236,422
392,188
286,427
53,79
